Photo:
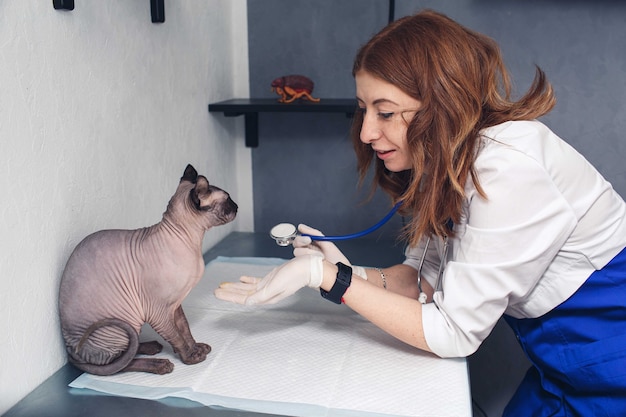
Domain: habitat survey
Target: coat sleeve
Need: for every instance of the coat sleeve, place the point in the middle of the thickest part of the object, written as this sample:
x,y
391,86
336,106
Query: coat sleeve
x,y
500,253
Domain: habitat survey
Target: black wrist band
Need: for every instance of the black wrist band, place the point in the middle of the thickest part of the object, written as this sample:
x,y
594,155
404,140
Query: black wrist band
x,y
344,278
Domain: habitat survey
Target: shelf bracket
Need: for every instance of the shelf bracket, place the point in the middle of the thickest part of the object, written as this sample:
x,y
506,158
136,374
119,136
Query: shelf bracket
x,y
63,4
251,122
157,8
252,130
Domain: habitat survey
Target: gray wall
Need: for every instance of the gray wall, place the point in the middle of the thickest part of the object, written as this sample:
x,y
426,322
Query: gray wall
x,y
304,168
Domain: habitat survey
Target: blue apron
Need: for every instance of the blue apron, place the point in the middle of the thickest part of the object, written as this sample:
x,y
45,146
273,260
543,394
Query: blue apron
x,y
578,352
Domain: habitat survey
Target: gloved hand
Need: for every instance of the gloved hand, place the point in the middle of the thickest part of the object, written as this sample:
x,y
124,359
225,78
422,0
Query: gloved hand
x,y
304,245
279,283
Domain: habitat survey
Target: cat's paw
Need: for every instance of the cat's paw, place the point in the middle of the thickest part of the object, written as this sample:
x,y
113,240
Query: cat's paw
x,y
163,366
149,348
203,347
197,354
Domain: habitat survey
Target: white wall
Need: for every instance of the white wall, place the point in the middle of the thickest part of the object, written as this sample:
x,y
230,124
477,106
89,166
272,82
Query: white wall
x,y
100,111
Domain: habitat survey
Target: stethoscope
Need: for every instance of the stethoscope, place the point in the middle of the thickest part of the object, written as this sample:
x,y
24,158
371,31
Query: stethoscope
x,y
285,233
442,264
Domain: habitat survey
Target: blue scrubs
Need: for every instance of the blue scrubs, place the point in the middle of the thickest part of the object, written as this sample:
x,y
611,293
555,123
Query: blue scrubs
x,y
578,351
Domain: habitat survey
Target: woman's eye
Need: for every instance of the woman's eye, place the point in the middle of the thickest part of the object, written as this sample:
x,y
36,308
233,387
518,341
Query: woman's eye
x,y
380,115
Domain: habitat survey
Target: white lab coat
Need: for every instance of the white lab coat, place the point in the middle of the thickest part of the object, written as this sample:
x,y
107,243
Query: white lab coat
x,y
550,220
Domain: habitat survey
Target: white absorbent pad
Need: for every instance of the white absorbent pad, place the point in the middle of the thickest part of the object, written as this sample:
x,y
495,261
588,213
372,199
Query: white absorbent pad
x,y
303,356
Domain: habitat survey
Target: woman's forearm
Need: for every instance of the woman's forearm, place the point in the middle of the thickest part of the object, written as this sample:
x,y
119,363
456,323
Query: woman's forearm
x,y
395,309
401,279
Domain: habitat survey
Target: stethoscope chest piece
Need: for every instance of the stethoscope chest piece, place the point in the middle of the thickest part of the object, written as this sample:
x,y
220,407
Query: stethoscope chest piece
x,y
283,233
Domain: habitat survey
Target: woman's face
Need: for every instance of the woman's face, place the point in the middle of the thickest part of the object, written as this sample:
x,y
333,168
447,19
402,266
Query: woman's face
x,y
386,112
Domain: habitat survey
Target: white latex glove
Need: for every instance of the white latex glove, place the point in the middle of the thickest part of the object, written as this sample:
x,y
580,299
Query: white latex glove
x,y
304,245
279,283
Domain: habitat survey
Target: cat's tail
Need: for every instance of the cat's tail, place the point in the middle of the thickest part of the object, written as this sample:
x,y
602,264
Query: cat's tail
x,y
119,363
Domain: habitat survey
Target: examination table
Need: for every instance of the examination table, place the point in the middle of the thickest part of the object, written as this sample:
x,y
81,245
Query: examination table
x,y
55,398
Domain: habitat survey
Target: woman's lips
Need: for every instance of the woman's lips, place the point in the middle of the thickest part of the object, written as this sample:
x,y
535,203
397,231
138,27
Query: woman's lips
x,y
384,154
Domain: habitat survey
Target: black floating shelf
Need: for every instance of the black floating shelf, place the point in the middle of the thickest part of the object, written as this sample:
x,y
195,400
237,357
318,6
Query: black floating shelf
x,y
251,107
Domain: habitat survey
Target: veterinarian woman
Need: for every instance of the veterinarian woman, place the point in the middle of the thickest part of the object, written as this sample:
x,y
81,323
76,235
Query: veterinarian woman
x,y
519,223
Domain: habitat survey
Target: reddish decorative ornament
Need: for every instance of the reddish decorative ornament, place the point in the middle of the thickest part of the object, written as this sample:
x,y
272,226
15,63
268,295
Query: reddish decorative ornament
x,y
292,87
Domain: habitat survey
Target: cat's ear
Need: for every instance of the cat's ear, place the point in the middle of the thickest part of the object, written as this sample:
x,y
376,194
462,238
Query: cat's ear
x,y
200,194
190,174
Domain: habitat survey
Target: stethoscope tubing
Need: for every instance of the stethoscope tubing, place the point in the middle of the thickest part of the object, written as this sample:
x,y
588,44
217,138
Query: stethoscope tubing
x,y
362,233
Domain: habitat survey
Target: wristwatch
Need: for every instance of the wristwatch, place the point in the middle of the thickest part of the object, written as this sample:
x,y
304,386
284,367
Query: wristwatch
x,y
344,278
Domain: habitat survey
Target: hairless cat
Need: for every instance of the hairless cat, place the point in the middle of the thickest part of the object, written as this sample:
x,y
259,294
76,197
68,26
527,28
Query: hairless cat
x,y
117,280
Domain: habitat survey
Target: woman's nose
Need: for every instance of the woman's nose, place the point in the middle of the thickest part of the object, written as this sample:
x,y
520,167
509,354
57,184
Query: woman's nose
x,y
369,130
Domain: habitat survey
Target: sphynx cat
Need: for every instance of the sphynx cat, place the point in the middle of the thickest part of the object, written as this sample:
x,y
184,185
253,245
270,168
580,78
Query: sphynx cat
x,y
117,280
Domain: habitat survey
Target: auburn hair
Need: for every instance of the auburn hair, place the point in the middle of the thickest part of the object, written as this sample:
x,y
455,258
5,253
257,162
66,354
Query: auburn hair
x,y
460,78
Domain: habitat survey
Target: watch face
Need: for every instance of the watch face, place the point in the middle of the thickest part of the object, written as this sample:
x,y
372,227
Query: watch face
x,y
344,274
